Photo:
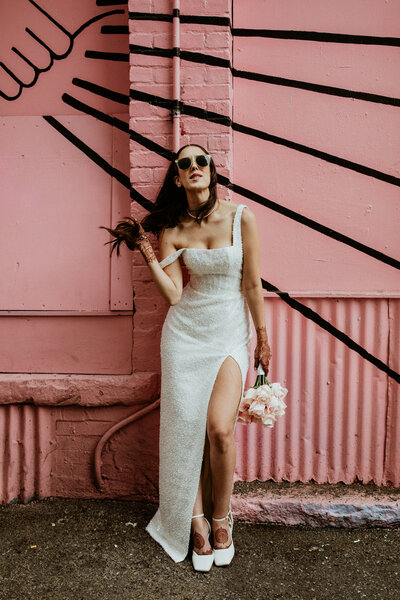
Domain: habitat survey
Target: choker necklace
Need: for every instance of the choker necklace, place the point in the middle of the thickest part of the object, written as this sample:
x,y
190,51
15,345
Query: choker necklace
x,y
194,217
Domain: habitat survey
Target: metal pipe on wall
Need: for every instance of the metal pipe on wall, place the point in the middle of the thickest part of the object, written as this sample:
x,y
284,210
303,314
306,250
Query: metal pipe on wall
x,y
176,77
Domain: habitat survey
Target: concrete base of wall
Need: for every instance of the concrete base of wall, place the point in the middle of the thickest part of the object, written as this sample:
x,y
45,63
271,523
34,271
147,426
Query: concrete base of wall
x,y
326,505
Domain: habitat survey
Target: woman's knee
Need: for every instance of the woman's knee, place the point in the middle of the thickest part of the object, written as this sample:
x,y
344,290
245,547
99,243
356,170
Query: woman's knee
x,y
220,437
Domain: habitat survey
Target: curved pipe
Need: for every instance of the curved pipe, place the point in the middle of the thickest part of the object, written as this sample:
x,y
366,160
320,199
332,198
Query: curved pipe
x,y
106,436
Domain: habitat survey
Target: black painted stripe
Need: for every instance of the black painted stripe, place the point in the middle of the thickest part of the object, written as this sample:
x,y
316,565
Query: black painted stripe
x,y
98,114
110,2
303,309
145,16
291,214
194,111
97,18
118,56
165,52
328,231
196,19
123,29
151,99
317,36
316,87
217,118
216,61
206,20
340,335
197,57
119,124
331,158
101,91
100,161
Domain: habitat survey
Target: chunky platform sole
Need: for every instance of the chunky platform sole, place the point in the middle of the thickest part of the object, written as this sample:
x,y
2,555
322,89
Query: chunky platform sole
x,y
202,562
223,556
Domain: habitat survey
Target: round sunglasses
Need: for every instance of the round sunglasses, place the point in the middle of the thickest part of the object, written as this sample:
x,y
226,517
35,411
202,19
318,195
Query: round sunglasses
x,y
202,160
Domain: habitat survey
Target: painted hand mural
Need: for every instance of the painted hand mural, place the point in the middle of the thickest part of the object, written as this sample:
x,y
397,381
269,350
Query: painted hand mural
x,y
29,50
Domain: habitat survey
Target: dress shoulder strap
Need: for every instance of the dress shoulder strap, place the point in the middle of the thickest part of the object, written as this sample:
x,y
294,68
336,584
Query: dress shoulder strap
x,y
237,225
171,258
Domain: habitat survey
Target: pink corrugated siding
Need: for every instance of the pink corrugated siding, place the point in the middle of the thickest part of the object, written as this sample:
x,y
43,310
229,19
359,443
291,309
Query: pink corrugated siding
x,y
335,424
59,287
306,145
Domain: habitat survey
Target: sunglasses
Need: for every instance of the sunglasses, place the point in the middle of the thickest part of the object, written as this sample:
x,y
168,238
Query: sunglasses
x,y
202,160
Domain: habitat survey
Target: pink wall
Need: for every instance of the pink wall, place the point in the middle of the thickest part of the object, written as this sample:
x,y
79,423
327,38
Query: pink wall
x,y
312,151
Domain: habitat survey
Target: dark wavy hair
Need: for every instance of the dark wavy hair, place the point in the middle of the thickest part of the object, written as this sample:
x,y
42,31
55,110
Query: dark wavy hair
x,y
168,210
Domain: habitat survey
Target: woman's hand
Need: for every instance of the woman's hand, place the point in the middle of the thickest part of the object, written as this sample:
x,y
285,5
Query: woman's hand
x,y
145,246
132,233
262,353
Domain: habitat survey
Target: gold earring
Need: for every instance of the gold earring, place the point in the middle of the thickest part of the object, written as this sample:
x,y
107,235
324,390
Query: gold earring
x,y
178,183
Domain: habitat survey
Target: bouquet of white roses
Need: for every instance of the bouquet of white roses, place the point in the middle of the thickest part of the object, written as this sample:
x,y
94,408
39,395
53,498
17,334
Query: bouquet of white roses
x,y
263,403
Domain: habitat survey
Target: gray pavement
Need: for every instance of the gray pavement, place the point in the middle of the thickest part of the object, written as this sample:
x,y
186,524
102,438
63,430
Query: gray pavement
x,y
99,550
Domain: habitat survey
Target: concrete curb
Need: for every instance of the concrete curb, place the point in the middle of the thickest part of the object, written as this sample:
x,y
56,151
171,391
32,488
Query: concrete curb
x,y
327,505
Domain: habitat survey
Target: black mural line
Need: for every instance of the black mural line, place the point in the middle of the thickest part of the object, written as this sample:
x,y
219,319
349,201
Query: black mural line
x,y
197,19
331,158
340,335
93,112
96,158
117,56
315,87
314,36
101,91
198,57
303,309
52,55
115,122
120,29
216,61
110,2
287,212
317,36
200,113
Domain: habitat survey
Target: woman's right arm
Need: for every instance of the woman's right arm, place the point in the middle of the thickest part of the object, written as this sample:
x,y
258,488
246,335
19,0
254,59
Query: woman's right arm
x,y
169,281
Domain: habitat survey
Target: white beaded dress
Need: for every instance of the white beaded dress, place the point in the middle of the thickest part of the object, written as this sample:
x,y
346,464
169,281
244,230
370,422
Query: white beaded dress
x,y
210,322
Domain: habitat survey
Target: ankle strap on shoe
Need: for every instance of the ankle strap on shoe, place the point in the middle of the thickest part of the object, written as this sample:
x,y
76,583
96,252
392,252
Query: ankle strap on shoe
x,y
223,518
195,516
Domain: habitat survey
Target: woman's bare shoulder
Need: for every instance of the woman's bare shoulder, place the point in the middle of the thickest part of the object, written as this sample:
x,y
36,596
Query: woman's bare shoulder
x,y
168,235
249,220
230,207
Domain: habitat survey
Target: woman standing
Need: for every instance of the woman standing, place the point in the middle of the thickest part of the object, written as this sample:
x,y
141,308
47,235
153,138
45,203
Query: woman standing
x,y
204,350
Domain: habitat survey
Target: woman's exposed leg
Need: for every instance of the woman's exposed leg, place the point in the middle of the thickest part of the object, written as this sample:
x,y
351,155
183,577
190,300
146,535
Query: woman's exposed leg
x,y
200,531
220,420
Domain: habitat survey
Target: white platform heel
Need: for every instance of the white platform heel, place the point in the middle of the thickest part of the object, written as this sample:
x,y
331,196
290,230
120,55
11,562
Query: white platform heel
x,y
202,562
223,556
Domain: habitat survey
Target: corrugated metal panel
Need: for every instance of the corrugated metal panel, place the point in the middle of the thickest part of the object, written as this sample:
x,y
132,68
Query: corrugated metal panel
x,y
27,441
335,423
392,457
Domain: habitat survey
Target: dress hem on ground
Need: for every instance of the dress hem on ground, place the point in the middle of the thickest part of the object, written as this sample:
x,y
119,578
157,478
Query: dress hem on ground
x,y
176,556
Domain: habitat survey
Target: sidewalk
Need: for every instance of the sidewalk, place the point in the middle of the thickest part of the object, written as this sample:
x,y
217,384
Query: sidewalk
x,y
98,550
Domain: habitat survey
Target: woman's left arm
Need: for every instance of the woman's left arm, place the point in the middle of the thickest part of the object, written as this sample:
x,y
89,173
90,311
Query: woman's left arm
x,y
252,287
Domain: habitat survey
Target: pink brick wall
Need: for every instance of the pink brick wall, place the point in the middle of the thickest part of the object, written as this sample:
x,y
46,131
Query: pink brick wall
x,y
341,423
203,86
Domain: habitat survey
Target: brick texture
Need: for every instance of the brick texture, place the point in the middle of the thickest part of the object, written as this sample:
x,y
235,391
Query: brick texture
x,y
204,86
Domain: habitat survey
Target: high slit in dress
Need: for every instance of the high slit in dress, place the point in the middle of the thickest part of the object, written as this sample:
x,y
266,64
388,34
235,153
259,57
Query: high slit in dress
x,y
210,322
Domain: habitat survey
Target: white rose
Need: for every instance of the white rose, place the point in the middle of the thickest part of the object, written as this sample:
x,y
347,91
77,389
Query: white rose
x,y
268,420
249,396
276,407
264,393
256,409
278,390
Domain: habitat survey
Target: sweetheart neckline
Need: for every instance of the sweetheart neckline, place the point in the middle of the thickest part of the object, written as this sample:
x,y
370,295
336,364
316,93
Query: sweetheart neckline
x,y
221,248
